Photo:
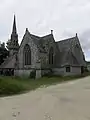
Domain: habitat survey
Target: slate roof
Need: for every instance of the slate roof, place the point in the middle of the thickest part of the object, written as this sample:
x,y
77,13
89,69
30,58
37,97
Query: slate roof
x,y
36,40
68,58
39,40
8,63
66,55
65,44
64,51
47,37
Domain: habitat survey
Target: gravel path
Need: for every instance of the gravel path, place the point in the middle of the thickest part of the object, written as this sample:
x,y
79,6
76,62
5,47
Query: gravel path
x,y
67,101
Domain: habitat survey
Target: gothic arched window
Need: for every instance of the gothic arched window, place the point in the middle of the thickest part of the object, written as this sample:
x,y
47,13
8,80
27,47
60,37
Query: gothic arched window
x,y
27,55
51,58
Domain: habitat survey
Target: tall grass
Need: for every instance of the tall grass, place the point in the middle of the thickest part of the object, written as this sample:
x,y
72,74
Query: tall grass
x,y
16,85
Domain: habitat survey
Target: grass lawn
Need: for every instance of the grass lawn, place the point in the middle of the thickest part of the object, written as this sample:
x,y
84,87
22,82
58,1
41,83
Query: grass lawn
x,y
16,85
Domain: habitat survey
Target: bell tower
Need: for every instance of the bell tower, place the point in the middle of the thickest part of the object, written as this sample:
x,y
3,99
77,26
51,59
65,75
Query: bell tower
x,y
12,44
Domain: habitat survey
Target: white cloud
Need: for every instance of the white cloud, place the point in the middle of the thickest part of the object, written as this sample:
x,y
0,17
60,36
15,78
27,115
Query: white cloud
x,y
65,17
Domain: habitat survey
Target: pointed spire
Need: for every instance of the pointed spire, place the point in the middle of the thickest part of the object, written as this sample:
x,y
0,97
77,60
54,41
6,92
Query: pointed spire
x,y
13,45
14,30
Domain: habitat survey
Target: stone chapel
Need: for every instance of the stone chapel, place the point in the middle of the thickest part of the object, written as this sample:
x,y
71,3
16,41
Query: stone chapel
x,y
43,55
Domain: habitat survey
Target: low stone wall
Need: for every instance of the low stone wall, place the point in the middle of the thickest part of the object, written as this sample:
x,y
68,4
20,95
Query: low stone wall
x,y
44,71
58,71
26,73
62,71
22,73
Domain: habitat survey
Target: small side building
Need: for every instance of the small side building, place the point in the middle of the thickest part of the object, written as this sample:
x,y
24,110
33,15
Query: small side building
x,y
70,59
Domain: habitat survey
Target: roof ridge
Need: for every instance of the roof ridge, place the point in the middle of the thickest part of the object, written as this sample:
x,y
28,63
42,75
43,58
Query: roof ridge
x,y
66,39
35,35
46,35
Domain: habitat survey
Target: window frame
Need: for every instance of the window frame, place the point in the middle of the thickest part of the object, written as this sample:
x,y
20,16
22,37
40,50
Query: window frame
x,y
27,55
68,69
51,56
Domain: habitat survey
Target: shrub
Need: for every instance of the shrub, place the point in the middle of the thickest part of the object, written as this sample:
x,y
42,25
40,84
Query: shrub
x,y
33,74
49,74
86,70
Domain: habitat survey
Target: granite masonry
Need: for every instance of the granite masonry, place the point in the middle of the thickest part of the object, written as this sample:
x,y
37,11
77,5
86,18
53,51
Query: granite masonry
x,y
43,55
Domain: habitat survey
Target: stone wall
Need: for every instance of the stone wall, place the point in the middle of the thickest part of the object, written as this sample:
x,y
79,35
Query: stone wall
x,y
62,71
34,52
22,73
74,71
47,44
45,71
58,71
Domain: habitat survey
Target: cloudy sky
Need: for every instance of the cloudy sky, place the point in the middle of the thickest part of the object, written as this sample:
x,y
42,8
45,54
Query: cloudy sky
x,y
65,17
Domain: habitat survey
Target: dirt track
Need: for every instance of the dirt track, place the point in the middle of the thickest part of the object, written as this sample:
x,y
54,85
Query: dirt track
x,y
67,101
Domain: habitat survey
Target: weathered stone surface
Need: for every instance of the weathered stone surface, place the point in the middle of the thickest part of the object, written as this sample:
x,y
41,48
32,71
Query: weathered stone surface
x,y
64,53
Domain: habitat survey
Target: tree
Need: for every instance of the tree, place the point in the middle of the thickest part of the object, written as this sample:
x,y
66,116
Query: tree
x,y
3,53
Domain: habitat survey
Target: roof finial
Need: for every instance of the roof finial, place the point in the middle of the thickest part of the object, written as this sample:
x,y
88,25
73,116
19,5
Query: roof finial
x,y
52,32
27,30
76,34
